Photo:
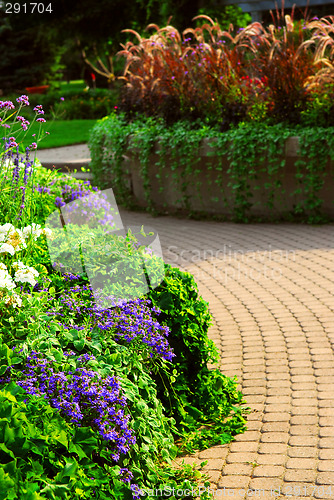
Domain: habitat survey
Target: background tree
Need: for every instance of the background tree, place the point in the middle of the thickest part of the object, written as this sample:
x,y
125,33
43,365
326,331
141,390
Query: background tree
x,y
34,44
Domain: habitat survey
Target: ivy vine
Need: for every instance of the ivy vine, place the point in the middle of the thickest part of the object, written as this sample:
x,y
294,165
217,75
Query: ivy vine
x,y
253,178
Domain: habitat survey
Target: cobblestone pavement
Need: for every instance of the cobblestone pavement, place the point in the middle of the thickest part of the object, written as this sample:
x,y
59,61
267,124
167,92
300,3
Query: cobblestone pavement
x,y
270,290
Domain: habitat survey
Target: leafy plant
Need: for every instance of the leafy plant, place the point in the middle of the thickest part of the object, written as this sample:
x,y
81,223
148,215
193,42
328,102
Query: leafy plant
x,y
194,395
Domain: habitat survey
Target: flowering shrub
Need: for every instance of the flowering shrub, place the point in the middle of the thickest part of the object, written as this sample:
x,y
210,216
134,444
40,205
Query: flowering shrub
x,y
72,372
131,323
82,396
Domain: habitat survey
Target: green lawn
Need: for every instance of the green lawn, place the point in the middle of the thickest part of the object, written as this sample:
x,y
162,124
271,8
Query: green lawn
x,y
62,133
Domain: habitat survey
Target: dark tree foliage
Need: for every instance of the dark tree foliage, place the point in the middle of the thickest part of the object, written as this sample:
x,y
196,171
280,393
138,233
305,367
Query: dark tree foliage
x,y
28,55
31,43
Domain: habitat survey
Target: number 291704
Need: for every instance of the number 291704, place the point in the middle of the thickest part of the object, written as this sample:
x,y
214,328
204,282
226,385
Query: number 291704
x,y
26,8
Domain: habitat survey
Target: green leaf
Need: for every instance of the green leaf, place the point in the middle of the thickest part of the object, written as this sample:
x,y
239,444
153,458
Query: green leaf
x,y
79,344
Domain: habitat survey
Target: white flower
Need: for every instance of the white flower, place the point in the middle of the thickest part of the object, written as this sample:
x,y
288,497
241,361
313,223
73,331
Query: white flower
x,y
25,274
6,228
17,240
6,248
35,230
6,281
47,231
5,231
12,236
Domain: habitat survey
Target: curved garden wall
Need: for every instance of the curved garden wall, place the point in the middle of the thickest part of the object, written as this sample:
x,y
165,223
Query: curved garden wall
x,y
247,172
210,189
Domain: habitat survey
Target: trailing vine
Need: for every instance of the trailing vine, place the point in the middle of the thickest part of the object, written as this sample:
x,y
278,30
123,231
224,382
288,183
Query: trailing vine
x,y
255,167
315,149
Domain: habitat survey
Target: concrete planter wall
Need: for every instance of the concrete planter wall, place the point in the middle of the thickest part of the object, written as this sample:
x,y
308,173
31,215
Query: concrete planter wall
x,y
207,193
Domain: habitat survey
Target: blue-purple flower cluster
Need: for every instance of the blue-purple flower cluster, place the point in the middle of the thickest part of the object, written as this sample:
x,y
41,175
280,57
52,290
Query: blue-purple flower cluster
x,y
129,322
93,207
83,396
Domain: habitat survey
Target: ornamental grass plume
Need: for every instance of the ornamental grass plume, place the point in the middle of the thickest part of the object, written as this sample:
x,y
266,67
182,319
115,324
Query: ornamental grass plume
x,y
190,71
322,40
208,72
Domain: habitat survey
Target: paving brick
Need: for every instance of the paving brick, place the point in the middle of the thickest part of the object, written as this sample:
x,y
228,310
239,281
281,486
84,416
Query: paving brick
x,y
271,408
238,469
302,475
239,457
326,432
214,476
266,484
326,465
233,481
304,410
304,420
303,386
272,448
214,452
303,430
326,442
254,390
301,463
302,451
268,471
276,427
254,425
304,394
276,417
326,454
303,441
248,436
326,421
214,464
278,383
271,459
279,391
325,478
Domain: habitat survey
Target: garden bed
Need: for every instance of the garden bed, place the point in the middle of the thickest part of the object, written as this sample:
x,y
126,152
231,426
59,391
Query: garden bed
x,y
104,350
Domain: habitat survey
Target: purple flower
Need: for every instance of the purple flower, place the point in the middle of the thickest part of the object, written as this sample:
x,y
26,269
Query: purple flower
x,y
59,202
39,110
23,99
6,105
83,396
24,123
41,120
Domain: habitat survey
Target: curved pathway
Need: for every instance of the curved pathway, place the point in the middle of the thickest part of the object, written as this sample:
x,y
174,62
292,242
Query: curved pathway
x,y
270,290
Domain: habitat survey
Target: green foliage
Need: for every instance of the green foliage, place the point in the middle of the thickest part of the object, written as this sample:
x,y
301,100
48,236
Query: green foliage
x,y
45,456
194,395
252,150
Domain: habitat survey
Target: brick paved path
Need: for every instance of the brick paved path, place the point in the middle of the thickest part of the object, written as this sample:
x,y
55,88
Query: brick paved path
x,y
271,293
